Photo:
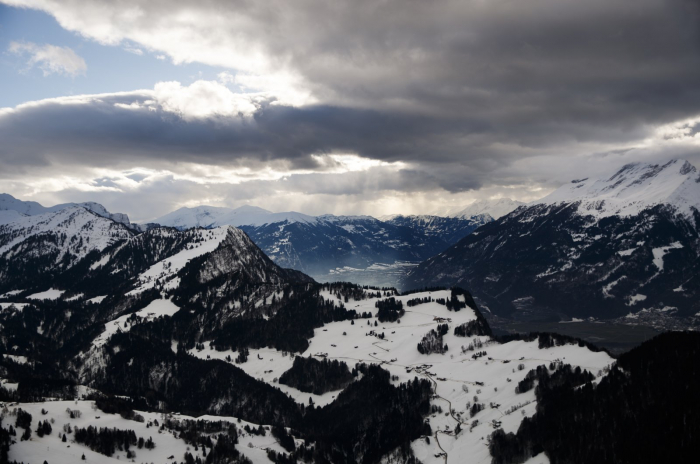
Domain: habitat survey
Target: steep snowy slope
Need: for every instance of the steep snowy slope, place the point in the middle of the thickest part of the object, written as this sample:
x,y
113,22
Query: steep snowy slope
x,y
207,268
621,247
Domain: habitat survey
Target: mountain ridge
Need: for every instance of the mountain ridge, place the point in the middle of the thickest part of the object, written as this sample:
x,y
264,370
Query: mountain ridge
x,y
575,256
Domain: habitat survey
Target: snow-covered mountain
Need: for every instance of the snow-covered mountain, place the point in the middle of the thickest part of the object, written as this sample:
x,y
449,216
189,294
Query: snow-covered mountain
x,y
32,208
632,189
483,208
626,246
448,229
50,242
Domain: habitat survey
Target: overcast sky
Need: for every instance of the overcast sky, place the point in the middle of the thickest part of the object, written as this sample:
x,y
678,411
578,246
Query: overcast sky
x,y
344,107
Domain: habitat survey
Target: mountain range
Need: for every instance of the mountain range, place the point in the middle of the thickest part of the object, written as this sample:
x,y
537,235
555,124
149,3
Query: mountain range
x,y
191,344
362,249
32,208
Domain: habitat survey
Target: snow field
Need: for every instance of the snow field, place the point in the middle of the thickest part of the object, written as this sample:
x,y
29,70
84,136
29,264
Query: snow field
x,y
52,449
154,310
50,294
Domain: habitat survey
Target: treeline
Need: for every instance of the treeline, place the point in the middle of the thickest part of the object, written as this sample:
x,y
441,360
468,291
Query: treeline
x,y
199,433
5,443
288,330
561,375
313,376
477,327
432,341
645,410
389,310
107,441
193,386
369,418
549,340
417,301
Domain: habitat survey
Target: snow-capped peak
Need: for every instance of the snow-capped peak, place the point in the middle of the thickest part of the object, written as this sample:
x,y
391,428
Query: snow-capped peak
x,y
76,231
632,189
212,216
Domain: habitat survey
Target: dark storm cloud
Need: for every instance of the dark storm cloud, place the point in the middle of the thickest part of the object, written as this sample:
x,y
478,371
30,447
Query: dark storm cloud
x,y
463,89
103,134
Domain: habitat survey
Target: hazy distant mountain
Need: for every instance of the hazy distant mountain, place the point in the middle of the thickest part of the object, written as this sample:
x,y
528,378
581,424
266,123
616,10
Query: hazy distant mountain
x,y
624,246
494,208
448,229
212,216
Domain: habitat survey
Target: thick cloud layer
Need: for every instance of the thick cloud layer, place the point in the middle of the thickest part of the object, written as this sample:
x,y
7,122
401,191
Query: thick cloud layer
x,y
509,97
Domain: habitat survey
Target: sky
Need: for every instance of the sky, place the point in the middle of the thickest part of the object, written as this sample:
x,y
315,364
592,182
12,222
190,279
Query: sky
x,y
343,107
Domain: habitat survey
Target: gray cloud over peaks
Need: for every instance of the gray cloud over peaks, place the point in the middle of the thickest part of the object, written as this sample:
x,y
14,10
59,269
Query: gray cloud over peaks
x,y
467,94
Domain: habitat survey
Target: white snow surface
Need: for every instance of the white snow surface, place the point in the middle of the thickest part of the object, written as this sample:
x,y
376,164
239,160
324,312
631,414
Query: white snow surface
x,y
660,252
154,310
16,358
50,294
632,189
32,208
18,306
51,448
11,293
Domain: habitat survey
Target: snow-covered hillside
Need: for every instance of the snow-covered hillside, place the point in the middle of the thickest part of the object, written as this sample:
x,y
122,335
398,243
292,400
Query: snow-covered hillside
x,y
86,230
168,445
